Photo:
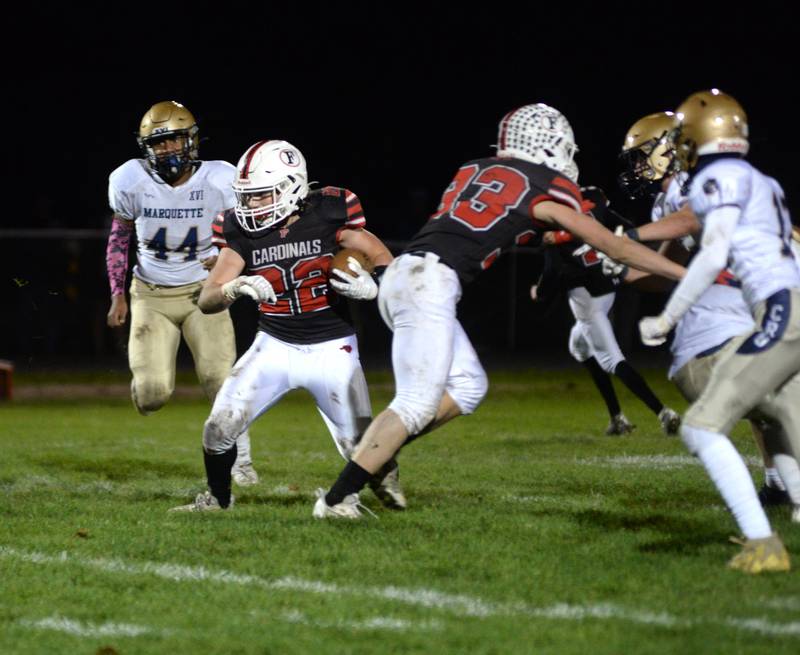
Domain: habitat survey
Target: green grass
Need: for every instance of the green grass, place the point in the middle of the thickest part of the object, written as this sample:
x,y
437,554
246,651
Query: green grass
x,y
529,529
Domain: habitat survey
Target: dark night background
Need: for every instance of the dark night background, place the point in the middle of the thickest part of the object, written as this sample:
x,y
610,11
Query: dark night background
x,y
385,99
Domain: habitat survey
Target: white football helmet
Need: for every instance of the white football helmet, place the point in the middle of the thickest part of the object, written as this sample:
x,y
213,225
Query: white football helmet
x,y
271,181
539,134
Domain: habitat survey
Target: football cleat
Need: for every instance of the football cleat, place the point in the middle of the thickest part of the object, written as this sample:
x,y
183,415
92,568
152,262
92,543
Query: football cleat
x,y
204,502
387,488
761,555
796,514
347,509
670,421
771,496
619,425
244,475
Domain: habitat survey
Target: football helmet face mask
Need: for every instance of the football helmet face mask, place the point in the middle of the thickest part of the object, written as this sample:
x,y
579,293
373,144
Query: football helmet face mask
x,y
539,134
709,122
168,121
647,154
271,183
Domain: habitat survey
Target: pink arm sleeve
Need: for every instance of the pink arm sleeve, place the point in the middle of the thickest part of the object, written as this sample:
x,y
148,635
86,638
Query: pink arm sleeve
x,y
117,255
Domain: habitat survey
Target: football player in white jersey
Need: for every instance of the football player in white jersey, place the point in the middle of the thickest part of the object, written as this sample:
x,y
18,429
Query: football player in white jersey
x,y
745,225
720,314
170,198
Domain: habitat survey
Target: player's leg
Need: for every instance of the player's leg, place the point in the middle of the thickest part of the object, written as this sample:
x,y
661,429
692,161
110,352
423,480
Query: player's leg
x,y
152,347
417,300
609,355
257,381
212,341
333,375
748,370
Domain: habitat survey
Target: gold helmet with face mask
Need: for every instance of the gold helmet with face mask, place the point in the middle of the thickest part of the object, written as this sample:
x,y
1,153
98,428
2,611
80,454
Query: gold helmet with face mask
x,y
709,123
647,154
169,120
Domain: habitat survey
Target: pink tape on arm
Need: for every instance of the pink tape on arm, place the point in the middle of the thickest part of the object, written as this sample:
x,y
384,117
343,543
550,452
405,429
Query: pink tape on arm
x,y
117,255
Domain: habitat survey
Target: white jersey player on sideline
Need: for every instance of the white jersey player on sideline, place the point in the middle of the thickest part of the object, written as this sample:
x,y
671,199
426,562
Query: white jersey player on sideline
x,y
170,199
745,225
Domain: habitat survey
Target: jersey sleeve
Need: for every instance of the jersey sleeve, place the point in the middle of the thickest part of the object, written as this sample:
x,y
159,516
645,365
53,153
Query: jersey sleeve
x,y
724,185
343,208
218,231
232,236
222,177
120,201
558,189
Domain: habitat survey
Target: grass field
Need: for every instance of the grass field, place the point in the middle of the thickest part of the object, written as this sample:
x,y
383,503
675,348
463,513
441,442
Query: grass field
x,y
528,531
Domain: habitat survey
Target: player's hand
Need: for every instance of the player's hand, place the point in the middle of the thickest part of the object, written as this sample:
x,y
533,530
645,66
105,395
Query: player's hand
x,y
359,286
119,311
535,292
254,286
611,267
654,329
549,238
208,263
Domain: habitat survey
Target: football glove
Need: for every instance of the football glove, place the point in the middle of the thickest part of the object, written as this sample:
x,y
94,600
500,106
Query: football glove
x,y
360,286
253,286
654,329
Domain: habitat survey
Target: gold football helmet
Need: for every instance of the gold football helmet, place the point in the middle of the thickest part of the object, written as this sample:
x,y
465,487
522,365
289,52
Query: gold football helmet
x,y
169,120
647,154
709,122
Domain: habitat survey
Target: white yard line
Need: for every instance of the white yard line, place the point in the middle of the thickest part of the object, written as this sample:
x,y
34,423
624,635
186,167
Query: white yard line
x,y
662,462
85,629
374,623
458,605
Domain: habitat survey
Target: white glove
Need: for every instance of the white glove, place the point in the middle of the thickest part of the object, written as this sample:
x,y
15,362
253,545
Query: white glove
x,y
254,286
654,329
360,286
611,267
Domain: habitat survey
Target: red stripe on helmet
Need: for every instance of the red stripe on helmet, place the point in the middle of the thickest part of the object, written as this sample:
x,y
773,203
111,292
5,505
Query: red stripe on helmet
x,y
504,128
250,154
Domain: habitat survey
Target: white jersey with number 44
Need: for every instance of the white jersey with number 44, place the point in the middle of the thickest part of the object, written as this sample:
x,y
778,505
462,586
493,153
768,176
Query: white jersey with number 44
x,y
173,224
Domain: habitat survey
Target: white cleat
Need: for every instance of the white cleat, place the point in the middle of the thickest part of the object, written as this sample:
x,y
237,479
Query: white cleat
x,y
244,475
388,489
347,509
670,421
796,514
204,502
619,425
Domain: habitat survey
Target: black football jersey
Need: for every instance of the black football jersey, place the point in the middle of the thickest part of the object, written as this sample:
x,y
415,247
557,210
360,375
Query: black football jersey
x,y
295,260
583,269
487,209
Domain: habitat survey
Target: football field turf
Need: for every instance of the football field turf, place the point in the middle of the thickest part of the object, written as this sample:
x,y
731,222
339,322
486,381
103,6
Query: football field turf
x,y
527,531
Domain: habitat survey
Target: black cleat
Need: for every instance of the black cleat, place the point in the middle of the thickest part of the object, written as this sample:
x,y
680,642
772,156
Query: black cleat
x,y
772,496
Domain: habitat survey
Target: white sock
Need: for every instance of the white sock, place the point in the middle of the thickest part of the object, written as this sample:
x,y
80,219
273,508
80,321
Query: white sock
x,y
772,478
243,448
731,477
789,479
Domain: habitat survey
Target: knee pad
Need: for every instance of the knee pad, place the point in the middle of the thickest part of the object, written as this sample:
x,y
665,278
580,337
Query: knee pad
x,y
222,428
468,391
578,345
698,439
149,396
415,413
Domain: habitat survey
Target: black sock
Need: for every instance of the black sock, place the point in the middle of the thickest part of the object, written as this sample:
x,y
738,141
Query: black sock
x,y
637,385
350,481
218,474
602,381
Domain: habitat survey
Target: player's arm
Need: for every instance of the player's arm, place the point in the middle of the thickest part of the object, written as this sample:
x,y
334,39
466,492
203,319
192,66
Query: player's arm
x,y
703,270
672,226
229,265
622,250
117,268
367,243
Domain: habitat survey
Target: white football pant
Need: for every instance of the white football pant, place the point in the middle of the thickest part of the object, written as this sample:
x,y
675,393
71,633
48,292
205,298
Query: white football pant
x,y
330,370
431,353
592,335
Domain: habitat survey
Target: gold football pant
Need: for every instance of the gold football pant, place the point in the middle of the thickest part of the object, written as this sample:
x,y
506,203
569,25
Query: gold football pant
x,y
159,315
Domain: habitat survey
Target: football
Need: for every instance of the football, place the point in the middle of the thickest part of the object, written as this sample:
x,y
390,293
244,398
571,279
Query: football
x,y
339,261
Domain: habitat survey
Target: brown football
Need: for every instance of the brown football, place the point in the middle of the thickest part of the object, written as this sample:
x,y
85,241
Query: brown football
x,y
340,260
